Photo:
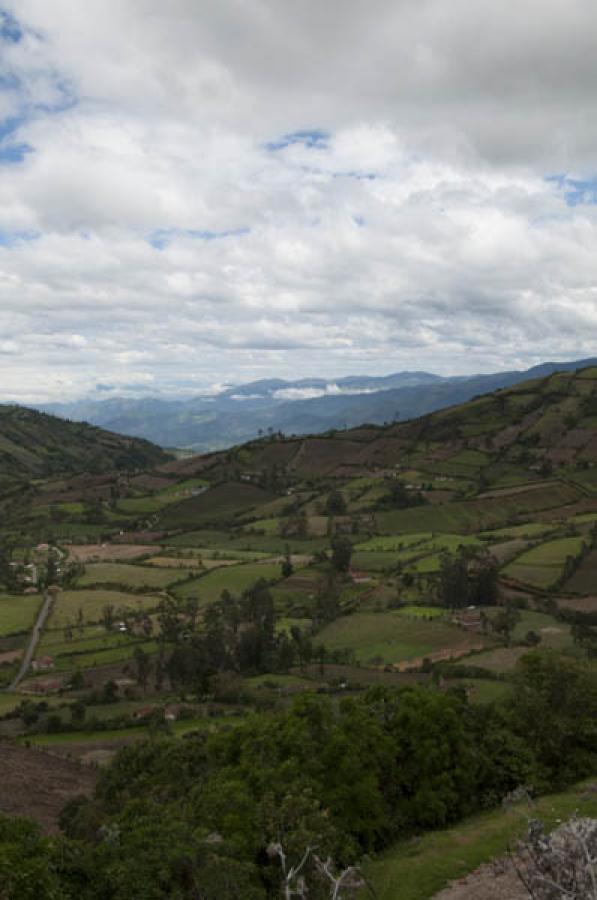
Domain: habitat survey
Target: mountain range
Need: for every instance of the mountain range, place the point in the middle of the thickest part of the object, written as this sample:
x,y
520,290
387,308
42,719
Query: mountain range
x,y
304,406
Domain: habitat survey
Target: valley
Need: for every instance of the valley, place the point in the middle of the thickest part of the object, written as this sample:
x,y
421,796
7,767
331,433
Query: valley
x,y
191,595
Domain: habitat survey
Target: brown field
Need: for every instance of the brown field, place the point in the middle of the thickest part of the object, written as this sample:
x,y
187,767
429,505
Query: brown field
x,y
150,482
580,604
508,549
102,552
54,781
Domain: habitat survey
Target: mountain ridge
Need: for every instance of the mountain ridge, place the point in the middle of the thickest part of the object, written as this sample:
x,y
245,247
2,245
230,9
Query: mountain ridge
x,y
241,412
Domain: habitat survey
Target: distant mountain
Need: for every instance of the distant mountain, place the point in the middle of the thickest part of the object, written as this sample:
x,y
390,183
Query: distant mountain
x,y
34,444
305,406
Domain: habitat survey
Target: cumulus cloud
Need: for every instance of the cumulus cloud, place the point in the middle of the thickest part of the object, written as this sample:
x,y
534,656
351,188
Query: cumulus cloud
x,y
198,195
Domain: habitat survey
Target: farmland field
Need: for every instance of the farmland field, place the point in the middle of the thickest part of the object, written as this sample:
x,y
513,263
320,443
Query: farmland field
x,y
542,565
392,638
235,579
17,613
92,603
132,576
584,580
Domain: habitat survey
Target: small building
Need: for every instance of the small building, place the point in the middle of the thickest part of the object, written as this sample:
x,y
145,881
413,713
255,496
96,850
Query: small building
x,y
43,664
42,686
469,619
359,577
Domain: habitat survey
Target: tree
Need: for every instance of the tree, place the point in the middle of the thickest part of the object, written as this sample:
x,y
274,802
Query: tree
x,y
143,666
335,504
504,621
341,553
454,585
78,712
287,567
108,616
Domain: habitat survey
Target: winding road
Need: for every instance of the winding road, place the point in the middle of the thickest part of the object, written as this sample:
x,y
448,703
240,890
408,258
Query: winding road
x,y
33,641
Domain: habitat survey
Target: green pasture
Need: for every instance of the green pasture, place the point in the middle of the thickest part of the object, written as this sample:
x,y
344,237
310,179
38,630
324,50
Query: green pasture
x,y
178,729
391,637
476,515
383,543
382,561
423,612
584,580
427,565
17,613
235,579
418,868
144,505
181,487
220,503
95,646
541,566
92,602
529,530
132,576
267,526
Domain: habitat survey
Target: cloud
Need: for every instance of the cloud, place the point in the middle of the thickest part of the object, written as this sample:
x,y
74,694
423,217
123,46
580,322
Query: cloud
x,y
263,189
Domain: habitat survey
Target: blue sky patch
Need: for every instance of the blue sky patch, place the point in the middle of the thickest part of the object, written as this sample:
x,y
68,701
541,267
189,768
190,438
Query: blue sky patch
x,y
360,176
10,30
163,237
577,191
11,238
313,139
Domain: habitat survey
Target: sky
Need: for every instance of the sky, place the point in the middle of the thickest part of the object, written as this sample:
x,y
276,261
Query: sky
x,y
205,192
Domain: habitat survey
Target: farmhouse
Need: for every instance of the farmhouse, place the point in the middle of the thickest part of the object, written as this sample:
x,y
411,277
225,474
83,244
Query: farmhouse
x,y
43,664
469,619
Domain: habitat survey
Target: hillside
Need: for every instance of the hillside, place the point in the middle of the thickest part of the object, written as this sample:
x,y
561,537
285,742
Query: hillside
x,y
512,436
38,445
446,561
305,406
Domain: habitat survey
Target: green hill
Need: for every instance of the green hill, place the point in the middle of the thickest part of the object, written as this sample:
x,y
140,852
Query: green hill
x,y
503,439
37,445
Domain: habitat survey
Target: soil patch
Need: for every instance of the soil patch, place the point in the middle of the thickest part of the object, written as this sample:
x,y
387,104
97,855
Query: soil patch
x,y
37,784
490,882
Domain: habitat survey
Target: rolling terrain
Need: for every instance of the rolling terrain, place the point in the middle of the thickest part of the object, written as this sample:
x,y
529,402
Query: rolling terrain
x,y
371,545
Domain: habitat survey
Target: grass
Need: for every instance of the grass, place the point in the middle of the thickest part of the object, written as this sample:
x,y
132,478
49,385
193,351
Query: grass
x,y
235,579
130,575
8,702
541,566
529,530
143,505
17,614
91,652
476,515
384,543
418,868
178,729
92,603
584,580
220,503
422,612
391,637
180,487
